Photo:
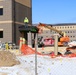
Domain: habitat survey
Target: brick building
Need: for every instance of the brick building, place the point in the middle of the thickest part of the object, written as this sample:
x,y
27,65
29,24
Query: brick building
x,y
12,14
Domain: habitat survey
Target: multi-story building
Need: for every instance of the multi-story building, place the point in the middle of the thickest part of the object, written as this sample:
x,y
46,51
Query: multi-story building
x,y
12,14
68,28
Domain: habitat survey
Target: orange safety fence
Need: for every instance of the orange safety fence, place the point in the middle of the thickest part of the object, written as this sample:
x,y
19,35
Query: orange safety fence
x,y
70,55
28,51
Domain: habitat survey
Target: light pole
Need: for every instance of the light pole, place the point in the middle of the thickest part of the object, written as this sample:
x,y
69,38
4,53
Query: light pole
x,y
36,45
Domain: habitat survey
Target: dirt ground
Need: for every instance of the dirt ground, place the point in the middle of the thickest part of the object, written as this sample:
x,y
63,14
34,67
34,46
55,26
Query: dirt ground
x,y
8,59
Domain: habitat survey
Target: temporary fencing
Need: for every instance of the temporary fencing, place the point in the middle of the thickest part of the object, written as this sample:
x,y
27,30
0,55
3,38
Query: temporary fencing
x,y
26,50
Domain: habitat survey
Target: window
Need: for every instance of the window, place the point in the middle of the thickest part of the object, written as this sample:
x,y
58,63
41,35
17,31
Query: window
x,y
73,31
46,31
70,31
62,27
71,27
57,27
1,11
1,34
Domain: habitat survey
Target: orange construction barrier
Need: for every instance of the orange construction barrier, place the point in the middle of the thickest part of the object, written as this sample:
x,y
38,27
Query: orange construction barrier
x,y
27,50
71,55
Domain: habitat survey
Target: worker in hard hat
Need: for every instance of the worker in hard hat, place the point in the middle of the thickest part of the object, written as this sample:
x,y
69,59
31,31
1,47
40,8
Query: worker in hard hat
x,y
26,21
64,34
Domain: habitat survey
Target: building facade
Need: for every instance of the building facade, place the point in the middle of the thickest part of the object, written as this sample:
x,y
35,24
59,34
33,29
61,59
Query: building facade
x,y
68,28
12,14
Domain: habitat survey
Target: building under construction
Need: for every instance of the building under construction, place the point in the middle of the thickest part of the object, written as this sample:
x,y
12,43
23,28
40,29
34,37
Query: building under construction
x,y
12,14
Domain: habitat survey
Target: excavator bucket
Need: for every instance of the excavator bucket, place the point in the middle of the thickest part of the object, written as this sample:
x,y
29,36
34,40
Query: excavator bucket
x,y
60,44
64,39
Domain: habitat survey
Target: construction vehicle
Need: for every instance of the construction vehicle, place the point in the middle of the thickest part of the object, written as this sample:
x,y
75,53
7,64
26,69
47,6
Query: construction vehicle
x,y
62,40
48,41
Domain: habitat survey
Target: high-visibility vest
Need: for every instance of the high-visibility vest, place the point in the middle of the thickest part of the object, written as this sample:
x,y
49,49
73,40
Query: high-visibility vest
x,y
26,20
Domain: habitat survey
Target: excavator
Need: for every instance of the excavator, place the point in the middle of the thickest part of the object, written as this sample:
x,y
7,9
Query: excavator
x,y
62,40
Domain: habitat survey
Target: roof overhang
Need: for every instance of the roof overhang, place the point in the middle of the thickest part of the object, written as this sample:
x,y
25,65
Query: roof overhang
x,y
32,29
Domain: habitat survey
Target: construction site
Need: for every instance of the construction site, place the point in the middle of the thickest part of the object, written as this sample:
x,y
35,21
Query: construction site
x,y
23,49
43,60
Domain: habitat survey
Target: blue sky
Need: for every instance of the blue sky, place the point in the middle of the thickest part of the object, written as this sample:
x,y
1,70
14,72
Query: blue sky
x,y
53,11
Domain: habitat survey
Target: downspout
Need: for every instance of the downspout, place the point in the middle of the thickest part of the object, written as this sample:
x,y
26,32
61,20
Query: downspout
x,y
14,23
31,10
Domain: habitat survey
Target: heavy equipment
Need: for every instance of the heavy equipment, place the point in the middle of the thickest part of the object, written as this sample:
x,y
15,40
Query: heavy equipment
x,y
62,40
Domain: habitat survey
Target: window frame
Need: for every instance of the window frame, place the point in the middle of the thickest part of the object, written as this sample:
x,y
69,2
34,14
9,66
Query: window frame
x,y
1,8
1,33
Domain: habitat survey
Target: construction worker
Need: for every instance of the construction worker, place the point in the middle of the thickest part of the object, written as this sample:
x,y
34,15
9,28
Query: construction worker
x,y
64,34
26,21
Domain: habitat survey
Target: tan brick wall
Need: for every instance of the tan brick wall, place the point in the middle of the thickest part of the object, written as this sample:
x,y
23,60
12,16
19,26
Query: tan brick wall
x,y
13,16
7,10
7,32
21,12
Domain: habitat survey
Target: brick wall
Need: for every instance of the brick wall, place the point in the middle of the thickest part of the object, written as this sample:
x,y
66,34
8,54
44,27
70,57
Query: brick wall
x,y
14,12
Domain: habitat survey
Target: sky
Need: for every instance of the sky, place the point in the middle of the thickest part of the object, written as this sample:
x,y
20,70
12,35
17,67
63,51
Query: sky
x,y
53,11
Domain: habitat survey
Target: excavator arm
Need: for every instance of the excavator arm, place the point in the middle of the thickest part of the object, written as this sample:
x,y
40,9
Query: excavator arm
x,y
61,39
51,28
